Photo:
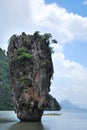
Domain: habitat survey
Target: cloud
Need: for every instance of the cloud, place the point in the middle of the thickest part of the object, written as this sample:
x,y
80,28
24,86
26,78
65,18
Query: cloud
x,y
29,16
16,16
85,2
65,26
70,79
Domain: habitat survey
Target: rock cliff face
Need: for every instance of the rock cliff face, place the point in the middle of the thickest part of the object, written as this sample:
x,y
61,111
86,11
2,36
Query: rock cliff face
x,y
52,104
31,71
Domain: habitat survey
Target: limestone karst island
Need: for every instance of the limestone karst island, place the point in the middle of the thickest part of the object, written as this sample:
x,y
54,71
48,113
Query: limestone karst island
x,y
31,71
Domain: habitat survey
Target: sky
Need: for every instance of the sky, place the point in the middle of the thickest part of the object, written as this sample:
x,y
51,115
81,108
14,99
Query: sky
x,y
66,20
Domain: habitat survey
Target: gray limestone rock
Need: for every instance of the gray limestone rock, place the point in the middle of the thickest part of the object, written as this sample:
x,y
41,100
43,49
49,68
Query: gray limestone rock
x,y
31,70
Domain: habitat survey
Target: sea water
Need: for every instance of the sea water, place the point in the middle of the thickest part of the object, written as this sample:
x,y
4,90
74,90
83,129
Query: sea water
x,y
51,120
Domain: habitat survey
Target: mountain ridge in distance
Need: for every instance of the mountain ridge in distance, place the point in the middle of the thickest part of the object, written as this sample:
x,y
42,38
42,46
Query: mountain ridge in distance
x,y
67,105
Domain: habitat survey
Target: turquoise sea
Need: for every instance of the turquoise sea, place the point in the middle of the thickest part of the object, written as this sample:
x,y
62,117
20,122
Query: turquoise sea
x,y
66,120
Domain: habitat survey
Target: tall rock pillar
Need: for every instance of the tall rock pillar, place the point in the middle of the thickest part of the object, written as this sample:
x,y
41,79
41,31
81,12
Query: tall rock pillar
x,y
31,70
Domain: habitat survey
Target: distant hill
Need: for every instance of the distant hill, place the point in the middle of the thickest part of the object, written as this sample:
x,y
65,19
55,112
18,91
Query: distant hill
x,y
5,94
67,105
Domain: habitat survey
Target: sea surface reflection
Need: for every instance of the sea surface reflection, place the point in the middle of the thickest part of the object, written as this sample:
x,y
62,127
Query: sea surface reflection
x,y
27,126
66,120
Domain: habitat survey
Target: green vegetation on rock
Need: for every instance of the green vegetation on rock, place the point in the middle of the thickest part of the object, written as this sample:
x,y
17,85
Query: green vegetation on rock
x,y
22,54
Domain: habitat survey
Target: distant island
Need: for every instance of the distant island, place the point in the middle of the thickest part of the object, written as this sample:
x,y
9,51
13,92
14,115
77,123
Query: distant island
x,y
67,105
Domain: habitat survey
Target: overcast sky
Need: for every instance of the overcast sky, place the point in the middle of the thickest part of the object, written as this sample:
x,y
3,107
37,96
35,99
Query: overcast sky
x,y
66,20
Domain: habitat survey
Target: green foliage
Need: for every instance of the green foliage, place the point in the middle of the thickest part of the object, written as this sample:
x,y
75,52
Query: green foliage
x,y
45,63
47,41
47,36
24,79
25,38
24,55
5,94
21,55
54,41
36,33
